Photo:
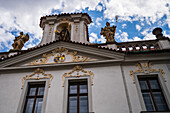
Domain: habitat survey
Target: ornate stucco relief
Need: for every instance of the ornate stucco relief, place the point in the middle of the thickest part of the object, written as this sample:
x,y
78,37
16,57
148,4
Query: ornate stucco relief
x,y
79,71
37,75
60,55
146,68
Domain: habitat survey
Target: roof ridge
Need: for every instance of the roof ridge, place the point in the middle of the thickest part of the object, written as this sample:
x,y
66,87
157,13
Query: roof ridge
x,y
39,46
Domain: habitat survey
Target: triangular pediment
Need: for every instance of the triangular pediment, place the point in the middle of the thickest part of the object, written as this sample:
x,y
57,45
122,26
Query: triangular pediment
x,y
59,53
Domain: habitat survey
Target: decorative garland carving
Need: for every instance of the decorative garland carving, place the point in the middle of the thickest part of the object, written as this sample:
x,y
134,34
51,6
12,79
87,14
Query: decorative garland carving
x,y
60,50
146,68
140,70
38,71
78,69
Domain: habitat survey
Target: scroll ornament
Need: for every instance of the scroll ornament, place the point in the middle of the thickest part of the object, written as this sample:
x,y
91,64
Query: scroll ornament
x,y
59,55
37,72
146,68
78,69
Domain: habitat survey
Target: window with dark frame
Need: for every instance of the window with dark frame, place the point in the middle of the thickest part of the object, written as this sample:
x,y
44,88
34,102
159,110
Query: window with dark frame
x,y
77,96
34,98
152,94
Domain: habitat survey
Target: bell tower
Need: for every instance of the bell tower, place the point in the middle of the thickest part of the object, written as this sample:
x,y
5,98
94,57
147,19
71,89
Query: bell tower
x,y
73,27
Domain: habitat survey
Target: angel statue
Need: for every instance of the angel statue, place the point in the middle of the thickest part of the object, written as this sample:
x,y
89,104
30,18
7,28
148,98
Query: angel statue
x,y
19,41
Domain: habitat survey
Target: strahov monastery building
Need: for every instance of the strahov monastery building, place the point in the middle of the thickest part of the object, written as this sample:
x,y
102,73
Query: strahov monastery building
x,y
65,73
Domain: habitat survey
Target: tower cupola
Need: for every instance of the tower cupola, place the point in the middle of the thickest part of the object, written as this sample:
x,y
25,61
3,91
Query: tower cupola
x,y
73,27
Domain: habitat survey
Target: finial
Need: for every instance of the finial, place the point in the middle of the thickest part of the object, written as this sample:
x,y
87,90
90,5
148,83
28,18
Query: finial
x,y
116,18
158,32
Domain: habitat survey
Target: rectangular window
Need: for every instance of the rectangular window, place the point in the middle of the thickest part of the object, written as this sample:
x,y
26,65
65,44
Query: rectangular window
x,y
152,94
34,98
78,97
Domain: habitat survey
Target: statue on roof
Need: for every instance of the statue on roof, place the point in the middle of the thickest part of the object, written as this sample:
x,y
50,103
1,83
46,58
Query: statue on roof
x,y
19,41
108,32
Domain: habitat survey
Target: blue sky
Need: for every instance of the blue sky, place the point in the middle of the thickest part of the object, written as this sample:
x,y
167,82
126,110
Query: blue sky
x,y
137,18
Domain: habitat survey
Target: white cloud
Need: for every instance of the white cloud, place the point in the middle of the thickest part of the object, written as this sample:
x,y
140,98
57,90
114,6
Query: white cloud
x,y
21,15
149,36
151,10
124,26
94,38
122,36
91,25
78,5
138,27
166,35
145,32
142,24
101,39
98,20
5,38
99,8
136,38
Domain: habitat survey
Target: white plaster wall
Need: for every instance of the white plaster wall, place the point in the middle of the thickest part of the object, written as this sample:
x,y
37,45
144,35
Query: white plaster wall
x,y
79,34
108,93
10,92
82,32
55,93
164,44
134,92
45,34
72,30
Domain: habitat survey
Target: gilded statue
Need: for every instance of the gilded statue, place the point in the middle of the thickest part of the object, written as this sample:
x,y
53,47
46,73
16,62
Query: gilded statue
x,y
108,32
64,34
19,41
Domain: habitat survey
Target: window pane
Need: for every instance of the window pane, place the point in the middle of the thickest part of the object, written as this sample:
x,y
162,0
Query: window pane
x,y
41,91
148,101
160,102
38,105
29,105
83,103
143,84
73,89
72,104
83,88
32,91
154,84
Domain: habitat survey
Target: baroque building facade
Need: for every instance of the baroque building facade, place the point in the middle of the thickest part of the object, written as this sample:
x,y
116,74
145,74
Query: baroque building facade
x,y
66,73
